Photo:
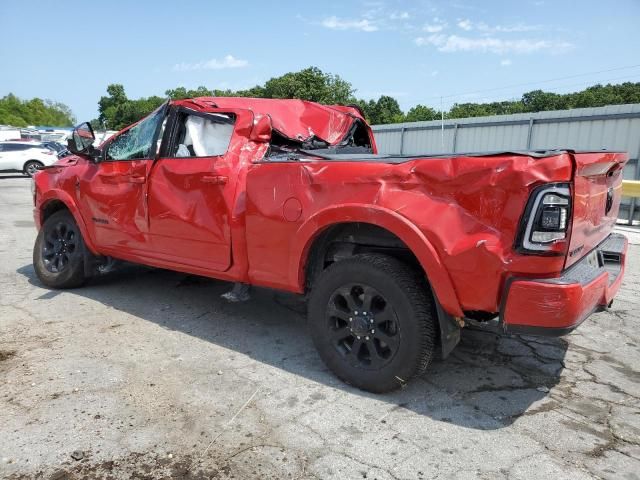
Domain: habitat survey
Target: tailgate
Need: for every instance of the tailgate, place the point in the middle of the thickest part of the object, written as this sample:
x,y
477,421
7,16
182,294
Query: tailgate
x,y
597,190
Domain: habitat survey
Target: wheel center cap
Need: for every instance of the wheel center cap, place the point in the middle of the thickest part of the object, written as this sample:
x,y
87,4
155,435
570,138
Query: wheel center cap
x,y
57,247
360,325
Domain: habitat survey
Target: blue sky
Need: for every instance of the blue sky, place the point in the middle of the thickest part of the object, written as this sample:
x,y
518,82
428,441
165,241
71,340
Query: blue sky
x,y
416,51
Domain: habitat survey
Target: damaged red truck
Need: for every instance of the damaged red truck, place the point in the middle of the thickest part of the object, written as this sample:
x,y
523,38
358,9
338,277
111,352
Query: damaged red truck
x,y
395,253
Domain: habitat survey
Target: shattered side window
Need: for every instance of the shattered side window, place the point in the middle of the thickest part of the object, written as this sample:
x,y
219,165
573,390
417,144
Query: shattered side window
x,y
137,142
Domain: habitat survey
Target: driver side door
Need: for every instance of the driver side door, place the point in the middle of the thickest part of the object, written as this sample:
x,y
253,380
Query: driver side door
x,y
112,193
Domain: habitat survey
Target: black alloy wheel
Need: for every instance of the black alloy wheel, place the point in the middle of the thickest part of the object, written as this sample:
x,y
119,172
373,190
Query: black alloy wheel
x,y
373,321
363,326
59,246
59,252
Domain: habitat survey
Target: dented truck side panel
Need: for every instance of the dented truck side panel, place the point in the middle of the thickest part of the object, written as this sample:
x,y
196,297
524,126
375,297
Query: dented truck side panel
x,y
466,208
255,217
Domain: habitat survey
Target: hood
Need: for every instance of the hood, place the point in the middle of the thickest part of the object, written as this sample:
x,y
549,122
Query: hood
x,y
297,120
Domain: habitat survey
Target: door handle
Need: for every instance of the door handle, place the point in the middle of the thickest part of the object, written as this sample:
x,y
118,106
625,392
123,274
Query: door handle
x,y
137,179
215,179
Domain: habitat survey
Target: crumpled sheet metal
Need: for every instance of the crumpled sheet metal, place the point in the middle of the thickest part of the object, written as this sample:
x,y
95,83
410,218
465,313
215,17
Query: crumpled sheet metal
x,y
297,120
467,208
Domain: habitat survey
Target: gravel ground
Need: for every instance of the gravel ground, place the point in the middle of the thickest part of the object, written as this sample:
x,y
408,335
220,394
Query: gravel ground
x,y
149,374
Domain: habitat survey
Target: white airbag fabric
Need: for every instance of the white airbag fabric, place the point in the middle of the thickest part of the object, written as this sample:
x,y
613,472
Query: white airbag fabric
x,y
207,137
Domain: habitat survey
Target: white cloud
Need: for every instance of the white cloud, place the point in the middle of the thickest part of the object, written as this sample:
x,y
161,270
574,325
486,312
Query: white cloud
x,y
335,23
228,61
399,16
505,62
465,25
435,73
455,43
435,26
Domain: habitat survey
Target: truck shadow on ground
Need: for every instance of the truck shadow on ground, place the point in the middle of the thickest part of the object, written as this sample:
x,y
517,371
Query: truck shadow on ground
x,y
487,382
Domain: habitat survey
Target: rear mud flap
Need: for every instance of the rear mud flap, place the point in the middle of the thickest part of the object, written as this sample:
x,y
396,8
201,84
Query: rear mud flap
x,y
449,330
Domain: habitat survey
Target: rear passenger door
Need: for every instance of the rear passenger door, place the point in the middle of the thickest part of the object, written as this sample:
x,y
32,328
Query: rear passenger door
x,y
4,158
191,190
12,156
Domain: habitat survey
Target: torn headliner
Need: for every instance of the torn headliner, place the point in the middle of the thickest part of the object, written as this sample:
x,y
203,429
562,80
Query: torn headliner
x,y
297,120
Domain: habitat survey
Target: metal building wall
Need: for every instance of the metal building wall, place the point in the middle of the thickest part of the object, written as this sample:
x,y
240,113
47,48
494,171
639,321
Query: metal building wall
x,y
615,127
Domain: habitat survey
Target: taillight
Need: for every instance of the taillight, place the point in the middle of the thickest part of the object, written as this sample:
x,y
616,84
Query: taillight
x,y
546,221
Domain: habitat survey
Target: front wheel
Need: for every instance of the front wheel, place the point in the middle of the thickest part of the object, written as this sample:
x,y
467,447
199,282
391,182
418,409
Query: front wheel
x,y
31,167
58,254
373,321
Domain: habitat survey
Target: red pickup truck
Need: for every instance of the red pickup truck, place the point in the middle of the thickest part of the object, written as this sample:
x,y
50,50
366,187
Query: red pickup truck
x,y
395,253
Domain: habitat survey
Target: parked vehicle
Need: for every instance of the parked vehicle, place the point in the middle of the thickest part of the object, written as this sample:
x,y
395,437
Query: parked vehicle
x,y
59,149
395,253
25,157
9,133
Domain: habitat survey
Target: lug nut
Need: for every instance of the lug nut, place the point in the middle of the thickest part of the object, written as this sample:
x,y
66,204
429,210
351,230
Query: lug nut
x,y
358,337
366,338
371,321
373,331
350,319
356,312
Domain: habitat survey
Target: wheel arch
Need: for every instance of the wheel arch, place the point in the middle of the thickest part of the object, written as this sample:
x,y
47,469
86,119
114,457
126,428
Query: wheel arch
x,y
54,201
312,237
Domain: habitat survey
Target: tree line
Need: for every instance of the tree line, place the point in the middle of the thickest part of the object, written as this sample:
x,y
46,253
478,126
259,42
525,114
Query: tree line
x,y
116,110
23,113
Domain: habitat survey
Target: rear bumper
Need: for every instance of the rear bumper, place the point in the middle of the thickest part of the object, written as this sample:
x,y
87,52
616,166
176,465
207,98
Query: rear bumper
x,y
555,306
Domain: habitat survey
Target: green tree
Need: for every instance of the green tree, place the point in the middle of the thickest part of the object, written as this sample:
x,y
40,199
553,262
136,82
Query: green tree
x,y
117,111
22,113
108,105
538,101
308,84
421,113
385,110
181,93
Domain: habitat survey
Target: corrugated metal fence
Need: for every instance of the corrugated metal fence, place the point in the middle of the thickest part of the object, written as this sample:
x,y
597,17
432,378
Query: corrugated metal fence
x,y
615,127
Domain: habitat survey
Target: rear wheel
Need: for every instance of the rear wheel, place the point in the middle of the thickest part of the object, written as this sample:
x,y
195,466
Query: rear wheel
x,y
58,254
373,321
31,167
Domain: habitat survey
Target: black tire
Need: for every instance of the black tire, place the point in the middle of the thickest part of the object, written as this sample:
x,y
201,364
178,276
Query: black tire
x,y
381,348
58,254
31,167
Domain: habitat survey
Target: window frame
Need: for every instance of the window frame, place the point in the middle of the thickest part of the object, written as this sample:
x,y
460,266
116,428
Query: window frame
x,y
163,110
171,130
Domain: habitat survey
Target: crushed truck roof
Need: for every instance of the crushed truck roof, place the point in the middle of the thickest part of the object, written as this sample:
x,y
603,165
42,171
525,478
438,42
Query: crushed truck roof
x,y
297,120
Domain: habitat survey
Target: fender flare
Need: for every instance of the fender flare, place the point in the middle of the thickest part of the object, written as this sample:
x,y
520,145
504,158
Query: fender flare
x,y
395,223
65,198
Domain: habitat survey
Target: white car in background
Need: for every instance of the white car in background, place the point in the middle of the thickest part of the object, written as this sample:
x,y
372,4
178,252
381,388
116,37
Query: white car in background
x,y
25,157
